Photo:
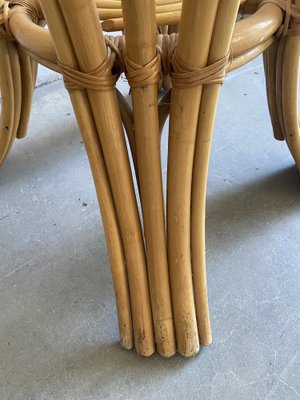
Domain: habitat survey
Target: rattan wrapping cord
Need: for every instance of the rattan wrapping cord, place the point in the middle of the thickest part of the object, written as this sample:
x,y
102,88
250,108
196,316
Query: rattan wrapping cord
x,y
185,75
166,61
291,23
143,75
101,78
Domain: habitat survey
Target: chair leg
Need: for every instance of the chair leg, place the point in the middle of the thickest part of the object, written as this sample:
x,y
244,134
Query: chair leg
x,y
138,31
17,80
10,87
88,52
193,47
28,79
218,49
289,95
281,63
272,73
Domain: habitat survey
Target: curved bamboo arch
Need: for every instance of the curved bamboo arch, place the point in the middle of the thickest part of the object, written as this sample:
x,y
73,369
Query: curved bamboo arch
x,y
37,40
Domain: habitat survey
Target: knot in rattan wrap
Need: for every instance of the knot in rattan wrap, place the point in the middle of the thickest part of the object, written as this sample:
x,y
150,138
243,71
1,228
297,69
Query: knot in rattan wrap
x,y
31,8
187,76
100,79
291,22
140,76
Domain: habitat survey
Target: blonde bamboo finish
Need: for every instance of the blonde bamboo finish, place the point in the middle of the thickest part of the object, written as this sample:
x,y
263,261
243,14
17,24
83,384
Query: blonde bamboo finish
x,y
27,88
86,123
290,96
140,34
108,13
271,73
289,93
267,20
161,303
90,51
218,49
193,45
7,129
17,82
164,18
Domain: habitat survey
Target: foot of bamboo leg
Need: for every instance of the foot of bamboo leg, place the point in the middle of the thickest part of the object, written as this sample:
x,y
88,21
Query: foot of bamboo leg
x,y
289,95
218,48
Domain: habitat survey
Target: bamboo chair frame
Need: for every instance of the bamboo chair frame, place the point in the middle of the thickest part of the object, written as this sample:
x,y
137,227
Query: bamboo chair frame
x,y
158,266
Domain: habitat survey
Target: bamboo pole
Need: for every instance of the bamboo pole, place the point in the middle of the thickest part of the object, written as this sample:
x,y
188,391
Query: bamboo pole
x,y
110,13
90,51
127,119
8,104
271,72
27,92
196,28
16,80
165,18
86,123
249,55
117,3
140,33
219,47
278,83
289,93
248,34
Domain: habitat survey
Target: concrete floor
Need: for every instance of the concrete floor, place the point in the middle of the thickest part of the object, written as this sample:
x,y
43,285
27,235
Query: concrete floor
x,y
58,328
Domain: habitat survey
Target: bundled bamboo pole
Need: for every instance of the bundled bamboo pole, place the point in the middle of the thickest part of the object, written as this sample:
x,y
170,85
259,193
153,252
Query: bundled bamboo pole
x,y
219,47
90,51
196,28
15,64
27,82
140,33
86,122
289,92
7,128
271,73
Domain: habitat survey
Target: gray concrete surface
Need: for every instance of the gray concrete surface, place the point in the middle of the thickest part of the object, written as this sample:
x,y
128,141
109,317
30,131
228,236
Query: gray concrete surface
x,y
58,328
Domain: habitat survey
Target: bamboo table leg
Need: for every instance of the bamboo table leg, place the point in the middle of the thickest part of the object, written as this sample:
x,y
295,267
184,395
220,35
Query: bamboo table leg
x,y
281,62
7,85
140,33
89,133
290,76
90,52
218,49
196,28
